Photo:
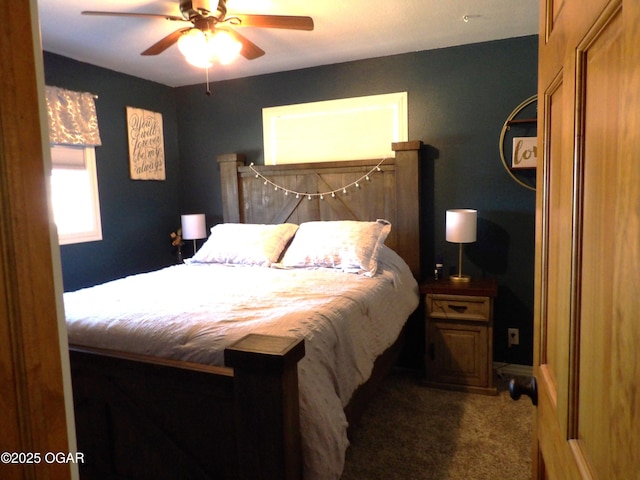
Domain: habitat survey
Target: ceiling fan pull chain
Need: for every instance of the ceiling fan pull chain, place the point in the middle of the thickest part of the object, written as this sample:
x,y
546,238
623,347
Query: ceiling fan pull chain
x,y
207,76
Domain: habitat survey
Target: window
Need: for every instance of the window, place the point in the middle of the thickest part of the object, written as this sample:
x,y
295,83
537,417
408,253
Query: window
x,y
74,194
361,127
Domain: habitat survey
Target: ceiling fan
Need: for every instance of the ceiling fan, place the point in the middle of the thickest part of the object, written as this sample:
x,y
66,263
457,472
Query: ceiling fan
x,y
210,21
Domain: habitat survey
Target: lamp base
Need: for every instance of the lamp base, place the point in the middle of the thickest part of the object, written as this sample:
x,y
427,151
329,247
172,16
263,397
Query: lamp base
x,y
460,278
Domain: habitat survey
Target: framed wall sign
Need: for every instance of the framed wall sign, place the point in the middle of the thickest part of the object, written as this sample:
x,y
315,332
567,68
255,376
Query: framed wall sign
x,y
525,152
146,144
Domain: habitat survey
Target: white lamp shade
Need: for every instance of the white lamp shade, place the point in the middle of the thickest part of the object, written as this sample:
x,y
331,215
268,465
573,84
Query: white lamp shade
x,y
194,226
461,225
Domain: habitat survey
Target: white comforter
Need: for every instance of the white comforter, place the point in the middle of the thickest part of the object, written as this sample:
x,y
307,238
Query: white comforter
x,y
192,312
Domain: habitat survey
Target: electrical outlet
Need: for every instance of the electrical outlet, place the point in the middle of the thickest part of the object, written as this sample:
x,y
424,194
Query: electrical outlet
x,y
513,337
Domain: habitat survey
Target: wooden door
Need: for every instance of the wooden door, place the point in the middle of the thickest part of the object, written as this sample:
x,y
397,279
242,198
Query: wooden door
x,y
35,416
587,344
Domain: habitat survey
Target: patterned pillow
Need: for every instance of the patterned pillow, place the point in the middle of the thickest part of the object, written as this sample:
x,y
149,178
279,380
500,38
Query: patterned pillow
x,y
245,244
347,245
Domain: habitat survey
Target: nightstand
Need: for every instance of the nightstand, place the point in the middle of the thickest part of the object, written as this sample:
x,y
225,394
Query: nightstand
x,y
459,334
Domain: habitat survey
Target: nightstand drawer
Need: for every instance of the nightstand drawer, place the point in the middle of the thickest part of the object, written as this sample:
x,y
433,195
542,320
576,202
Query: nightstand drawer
x,y
473,309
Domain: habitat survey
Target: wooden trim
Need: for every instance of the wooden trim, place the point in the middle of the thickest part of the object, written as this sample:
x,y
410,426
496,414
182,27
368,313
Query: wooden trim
x,y
31,367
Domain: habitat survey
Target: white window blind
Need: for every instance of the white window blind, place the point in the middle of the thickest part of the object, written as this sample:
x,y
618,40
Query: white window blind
x,y
62,157
74,194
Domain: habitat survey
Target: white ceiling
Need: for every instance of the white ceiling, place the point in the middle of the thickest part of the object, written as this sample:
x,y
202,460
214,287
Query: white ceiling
x,y
345,30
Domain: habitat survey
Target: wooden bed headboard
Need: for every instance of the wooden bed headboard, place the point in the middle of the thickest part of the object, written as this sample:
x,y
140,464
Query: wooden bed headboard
x,y
249,194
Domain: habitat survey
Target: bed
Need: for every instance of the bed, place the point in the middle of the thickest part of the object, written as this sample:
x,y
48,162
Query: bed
x,y
268,389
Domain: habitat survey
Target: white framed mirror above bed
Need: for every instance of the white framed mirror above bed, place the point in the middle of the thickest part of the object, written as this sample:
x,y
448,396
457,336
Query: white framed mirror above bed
x,y
339,130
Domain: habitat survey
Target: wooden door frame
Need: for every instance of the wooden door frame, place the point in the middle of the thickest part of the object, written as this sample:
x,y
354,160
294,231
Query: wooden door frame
x,y
33,371
575,444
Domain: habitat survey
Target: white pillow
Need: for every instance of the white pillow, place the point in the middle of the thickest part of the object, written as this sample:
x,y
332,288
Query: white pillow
x,y
348,245
245,244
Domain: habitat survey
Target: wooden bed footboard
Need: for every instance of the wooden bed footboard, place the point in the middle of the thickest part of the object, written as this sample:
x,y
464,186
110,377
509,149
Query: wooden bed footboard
x,y
140,417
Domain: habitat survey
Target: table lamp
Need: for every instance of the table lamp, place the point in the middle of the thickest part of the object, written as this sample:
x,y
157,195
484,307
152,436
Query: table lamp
x,y
461,228
194,228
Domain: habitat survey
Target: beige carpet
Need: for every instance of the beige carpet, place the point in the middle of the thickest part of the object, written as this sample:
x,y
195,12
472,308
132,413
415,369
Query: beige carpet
x,y
412,432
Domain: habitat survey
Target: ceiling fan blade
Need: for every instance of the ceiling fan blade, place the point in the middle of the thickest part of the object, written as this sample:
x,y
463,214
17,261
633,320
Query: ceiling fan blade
x,y
173,18
250,50
275,21
165,43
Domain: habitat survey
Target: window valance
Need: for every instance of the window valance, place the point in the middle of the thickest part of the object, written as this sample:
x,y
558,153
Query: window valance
x,y
72,117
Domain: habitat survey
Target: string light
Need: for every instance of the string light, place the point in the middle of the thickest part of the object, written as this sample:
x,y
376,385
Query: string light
x,y
357,184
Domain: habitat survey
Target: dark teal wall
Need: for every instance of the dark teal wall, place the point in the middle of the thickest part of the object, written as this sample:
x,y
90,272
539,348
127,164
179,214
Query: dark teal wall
x,y
137,216
459,99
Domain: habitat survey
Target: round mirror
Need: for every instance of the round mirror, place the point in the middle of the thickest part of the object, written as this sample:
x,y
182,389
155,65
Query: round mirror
x,y
518,143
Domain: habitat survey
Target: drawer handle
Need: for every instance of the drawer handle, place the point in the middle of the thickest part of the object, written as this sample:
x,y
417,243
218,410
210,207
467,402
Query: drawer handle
x,y
458,308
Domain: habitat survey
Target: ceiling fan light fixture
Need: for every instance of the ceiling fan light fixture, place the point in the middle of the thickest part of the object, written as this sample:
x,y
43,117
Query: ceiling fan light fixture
x,y
225,47
193,44
201,49
199,61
